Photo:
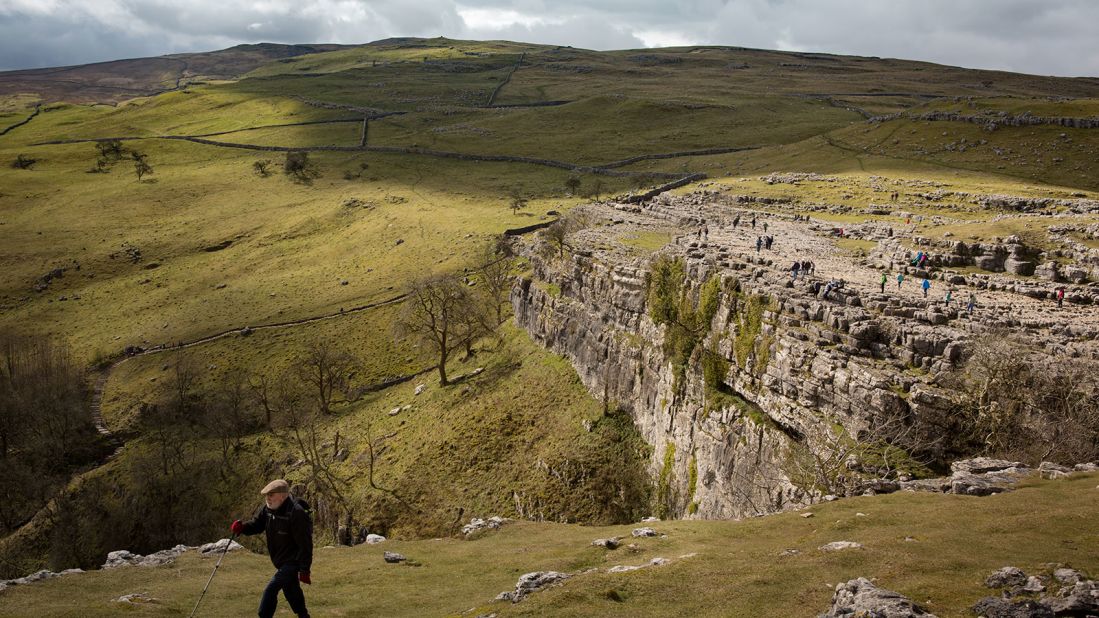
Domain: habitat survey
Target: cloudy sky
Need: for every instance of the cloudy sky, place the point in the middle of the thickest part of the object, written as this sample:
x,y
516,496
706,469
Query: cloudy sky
x,y
1048,37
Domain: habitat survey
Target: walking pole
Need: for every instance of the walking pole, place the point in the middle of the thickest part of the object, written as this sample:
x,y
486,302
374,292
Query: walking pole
x,y
207,586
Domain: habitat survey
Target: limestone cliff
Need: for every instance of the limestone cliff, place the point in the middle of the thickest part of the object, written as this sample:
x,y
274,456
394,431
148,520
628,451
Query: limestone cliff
x,y
801,362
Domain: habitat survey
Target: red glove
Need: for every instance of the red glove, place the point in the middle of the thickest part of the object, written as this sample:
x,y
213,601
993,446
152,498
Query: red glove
x,y
303,577
236,527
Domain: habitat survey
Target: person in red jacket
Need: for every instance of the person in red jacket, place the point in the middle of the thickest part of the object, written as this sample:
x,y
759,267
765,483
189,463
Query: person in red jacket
x,y
289,530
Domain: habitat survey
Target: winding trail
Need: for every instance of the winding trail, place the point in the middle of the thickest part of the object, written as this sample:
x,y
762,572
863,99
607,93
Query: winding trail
x,y
103,375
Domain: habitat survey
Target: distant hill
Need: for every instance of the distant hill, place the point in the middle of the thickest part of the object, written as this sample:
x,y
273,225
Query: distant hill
x,y
118,80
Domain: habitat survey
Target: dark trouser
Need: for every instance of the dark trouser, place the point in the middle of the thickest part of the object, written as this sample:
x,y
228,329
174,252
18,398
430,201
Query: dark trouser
x,y
285,579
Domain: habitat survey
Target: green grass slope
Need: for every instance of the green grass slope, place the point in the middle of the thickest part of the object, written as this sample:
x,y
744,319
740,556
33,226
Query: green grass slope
x,y
936,549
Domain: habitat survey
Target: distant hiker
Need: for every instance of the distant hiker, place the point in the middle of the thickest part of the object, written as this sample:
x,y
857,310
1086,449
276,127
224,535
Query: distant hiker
x,y
900,280
916,260
1060,297
832,285
759,243
923,260
794,270
769,240
883,278
705,232
289,530
736,222
753,222
891,231
764,226
949,295
812,268
972,303
926,285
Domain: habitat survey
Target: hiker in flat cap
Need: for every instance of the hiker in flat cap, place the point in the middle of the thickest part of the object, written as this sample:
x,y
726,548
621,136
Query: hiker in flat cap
x,y
289,528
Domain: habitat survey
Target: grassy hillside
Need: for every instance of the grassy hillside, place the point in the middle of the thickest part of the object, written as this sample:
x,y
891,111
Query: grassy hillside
x,y
205,244
936,549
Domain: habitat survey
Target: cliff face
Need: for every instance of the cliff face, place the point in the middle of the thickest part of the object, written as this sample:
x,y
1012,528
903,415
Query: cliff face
x,y
801,364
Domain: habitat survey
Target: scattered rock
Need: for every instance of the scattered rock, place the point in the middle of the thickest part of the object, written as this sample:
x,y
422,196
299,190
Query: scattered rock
x,y
611,543
36,576
861,598
1007,576
840,545
980,465
393,557
1081,599
420,388
1034,585
996,607
1068,576
122,557
374,539
532,582
476,524
136,598
219,546
1050,470
640,532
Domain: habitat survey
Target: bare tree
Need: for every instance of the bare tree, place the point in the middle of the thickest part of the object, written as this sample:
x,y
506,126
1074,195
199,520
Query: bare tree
x,y
1014,402
299,168
494,273
23,162
517,200
299,422
572,184
230,414
261,390
141,164
262,168
474,320
326,370
434,313
829,460
597,188
557,234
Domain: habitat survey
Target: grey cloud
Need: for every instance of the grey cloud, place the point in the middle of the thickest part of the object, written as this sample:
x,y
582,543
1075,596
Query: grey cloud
x,y
1052,37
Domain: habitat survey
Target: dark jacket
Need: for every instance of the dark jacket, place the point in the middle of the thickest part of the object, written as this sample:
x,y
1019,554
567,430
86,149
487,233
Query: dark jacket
x,y
289,533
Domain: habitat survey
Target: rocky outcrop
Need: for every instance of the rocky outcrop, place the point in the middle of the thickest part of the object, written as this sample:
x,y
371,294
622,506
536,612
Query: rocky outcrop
x,y
35,577
123,557
1067,592
811,362
861,598
993,120
532,582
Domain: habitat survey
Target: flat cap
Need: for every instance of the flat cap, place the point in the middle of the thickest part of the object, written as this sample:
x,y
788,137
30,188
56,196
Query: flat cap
x,y
277,486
